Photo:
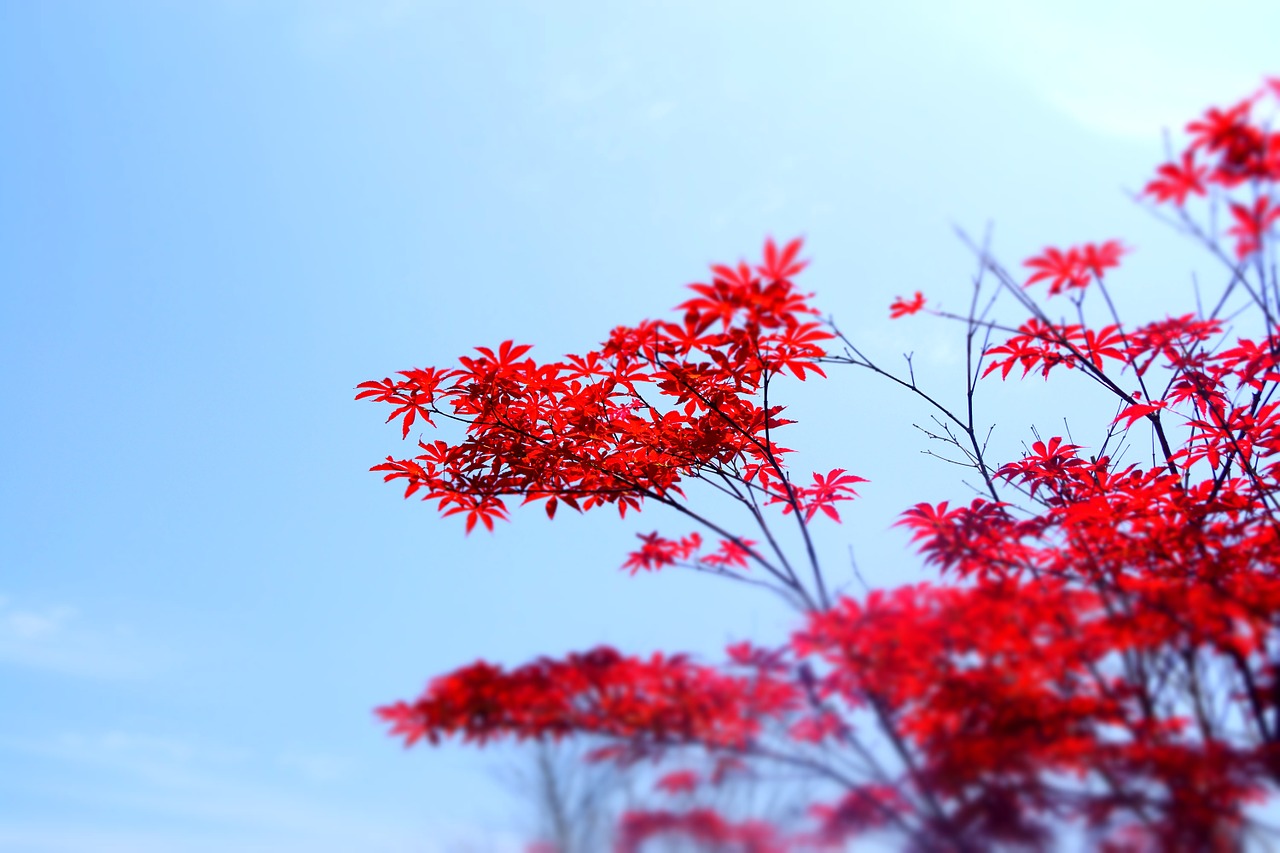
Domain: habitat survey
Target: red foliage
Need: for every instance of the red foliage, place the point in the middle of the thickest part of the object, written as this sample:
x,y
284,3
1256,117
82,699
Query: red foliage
x,y
712,832
1101,646
1175,181
903,307
662,701
679,782
1074,268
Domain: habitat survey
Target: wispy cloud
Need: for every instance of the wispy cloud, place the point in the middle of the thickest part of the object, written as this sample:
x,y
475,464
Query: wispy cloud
x,y
215,794
314,766
1124,70
57,638
330,28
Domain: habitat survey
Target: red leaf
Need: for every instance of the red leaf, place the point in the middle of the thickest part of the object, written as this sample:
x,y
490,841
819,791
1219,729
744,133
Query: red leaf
x,y
901,307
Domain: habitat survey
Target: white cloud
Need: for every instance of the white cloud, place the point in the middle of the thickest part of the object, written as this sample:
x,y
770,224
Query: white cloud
x,y
29,837
27,627
332,28
218,796
56,638
314,766
1129,69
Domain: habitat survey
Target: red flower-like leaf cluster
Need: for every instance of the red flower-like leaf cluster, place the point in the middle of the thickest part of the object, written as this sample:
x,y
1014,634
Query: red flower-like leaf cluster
x,y
904,307
1044,346
1229,149
1075,267
657,403
706,828
661,700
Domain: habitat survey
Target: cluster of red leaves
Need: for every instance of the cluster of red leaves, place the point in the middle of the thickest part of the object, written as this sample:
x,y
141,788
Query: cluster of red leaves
x,y
654,703
1229,149
906,307
1103,648
658,551
1044,346
707,828
657,403
1025,676
1075,267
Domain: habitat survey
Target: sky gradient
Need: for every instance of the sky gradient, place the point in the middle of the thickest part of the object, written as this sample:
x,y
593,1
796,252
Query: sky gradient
x,y
216,218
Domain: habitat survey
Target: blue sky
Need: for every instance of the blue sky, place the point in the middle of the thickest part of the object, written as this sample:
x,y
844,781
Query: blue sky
x,y
216,218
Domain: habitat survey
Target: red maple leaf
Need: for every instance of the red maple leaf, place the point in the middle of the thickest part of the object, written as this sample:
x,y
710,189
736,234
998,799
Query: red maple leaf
x,y
902,307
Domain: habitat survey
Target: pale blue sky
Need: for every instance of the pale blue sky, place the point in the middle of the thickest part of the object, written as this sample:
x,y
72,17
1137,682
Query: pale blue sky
x,y
216,218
